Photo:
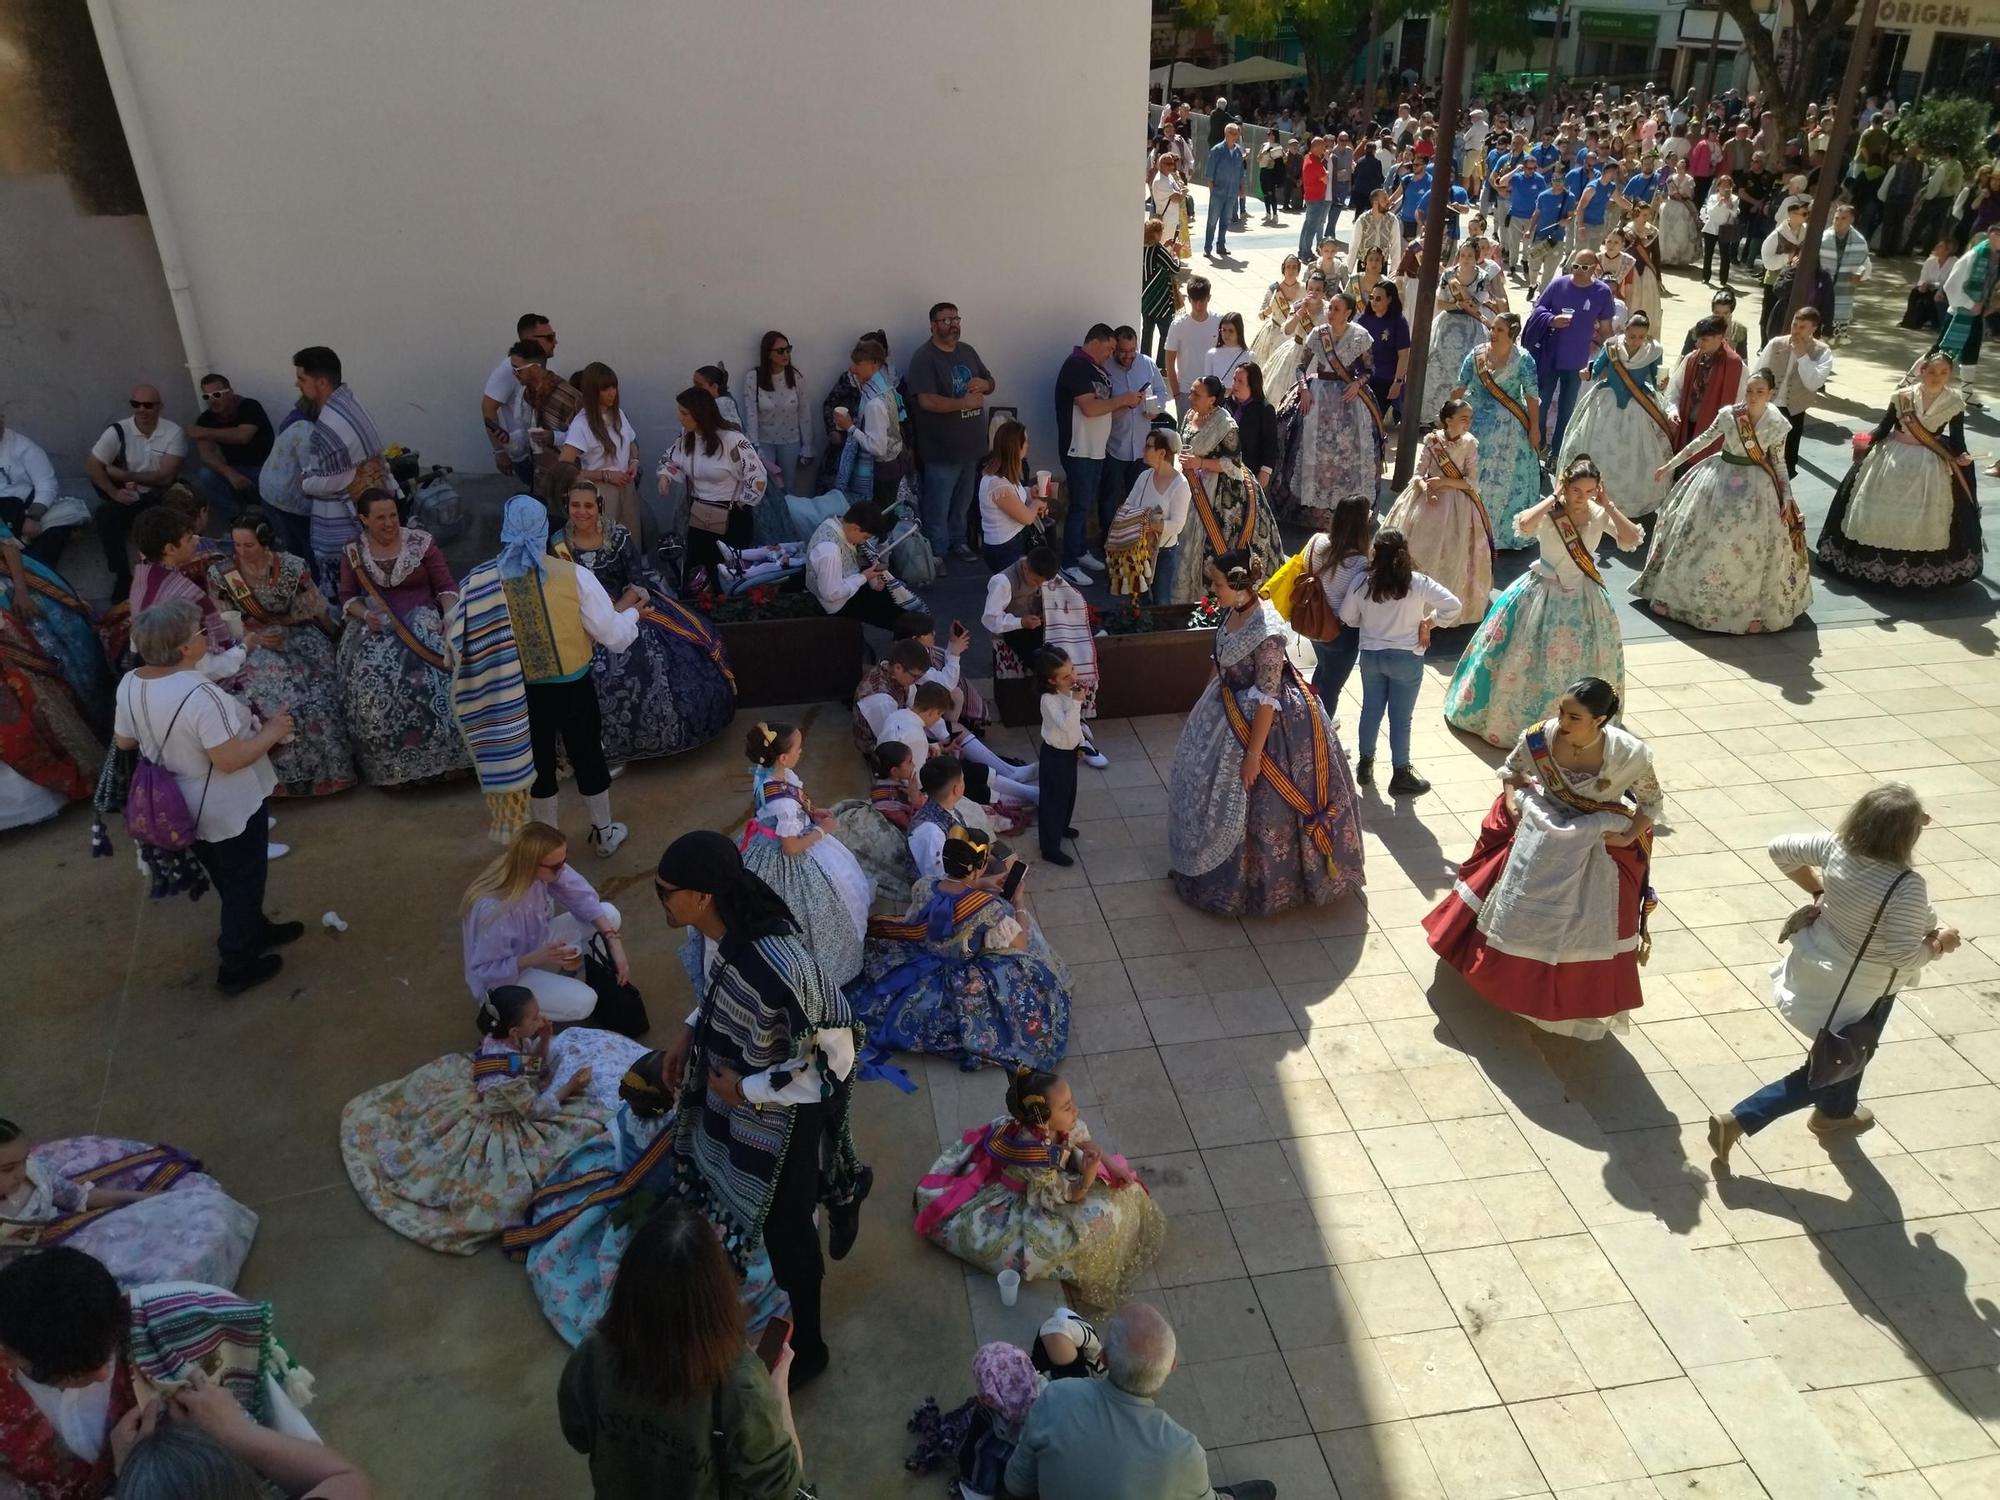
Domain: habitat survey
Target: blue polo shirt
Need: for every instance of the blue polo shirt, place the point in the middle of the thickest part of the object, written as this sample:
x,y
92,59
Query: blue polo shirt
x,y
1640,187
1551,208
1577,176
1545,153
1600,201
1416,195
1523,188
1495,160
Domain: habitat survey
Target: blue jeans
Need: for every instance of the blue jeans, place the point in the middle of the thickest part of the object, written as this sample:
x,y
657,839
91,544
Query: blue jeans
x,y
998,555
1312,230
948,491
1221,213
1084,478
1389,679
1793,1092
786,457
1556,383
224,503
1335,663
1164,567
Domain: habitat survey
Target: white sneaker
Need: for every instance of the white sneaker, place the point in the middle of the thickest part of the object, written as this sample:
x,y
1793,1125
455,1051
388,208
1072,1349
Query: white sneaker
x,y
1093,562
1077,576
270,820
1096,759
618,770
606,837
276,851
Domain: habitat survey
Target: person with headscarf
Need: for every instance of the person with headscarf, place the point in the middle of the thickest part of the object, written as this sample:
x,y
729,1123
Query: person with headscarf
x,y
521,637
975,1440
762,1070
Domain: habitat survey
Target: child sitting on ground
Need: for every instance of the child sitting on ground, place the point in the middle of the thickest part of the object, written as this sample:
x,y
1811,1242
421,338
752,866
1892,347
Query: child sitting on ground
x,y
876,828
1031,1192
945,807
921,726
967,706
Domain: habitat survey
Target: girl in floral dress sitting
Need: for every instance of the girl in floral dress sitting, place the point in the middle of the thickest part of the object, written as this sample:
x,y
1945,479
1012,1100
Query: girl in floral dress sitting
x,y
1033,1193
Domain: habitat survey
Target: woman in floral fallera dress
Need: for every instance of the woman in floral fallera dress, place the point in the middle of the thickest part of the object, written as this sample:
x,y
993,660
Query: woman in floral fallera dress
x,y
450,1155
1551,626
671,689
1620,421
288,656
1340,438
1261,802
1500,382
1032,1192
965,973
1442,517
1729,548
1460,325
1227,507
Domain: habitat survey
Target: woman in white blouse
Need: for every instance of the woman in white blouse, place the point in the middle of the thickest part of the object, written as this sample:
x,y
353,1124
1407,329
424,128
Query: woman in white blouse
x,y
1006,507
725,479
602,444
1869,930
176,718
1230,349
776,420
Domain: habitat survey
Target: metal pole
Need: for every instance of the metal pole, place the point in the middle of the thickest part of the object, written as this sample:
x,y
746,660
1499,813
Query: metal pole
x,y
1714,46
1806,277
1374,62
1443,170
1548,112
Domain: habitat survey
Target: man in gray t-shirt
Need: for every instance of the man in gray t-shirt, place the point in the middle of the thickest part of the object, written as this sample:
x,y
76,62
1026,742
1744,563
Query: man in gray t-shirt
x,y
949,384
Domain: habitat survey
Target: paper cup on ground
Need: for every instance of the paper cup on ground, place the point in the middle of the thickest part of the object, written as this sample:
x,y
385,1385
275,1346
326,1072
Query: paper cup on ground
x,y
1010,1286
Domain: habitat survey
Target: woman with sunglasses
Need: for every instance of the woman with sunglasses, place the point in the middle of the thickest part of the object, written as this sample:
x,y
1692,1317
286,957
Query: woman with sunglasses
x,y
1389,355
776,418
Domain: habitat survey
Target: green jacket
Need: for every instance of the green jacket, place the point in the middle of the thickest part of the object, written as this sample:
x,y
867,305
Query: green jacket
x,y
642,1451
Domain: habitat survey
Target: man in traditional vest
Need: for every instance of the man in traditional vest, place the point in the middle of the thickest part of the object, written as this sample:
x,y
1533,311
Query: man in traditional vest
x,y
844,582
1013,611
522,635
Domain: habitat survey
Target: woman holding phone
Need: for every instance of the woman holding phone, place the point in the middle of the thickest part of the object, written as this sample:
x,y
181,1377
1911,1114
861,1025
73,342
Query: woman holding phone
x,y
527,918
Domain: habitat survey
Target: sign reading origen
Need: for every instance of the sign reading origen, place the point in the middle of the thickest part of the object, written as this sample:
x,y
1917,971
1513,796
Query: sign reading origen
x,y
1924,13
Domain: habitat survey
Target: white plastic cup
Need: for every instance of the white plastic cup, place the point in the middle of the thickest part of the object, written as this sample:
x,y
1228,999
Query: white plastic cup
x,y
841,411
1010,1286
1042,484
232,621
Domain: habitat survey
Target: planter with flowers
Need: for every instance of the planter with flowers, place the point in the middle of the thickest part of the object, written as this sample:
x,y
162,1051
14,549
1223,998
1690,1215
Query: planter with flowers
x,y
783,647
1151,659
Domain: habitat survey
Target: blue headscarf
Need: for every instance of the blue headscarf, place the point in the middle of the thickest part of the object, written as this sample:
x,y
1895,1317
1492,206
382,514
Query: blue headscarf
x,y
524,538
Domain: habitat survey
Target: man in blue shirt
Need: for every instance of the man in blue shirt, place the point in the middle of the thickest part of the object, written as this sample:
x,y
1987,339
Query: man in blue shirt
x,y
1546,152
1227,169
1644,183
1546,234
1416,195
1525,185
1575,180
1594,205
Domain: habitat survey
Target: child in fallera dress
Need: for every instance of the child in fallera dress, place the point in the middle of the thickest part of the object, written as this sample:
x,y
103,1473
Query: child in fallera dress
x,y
1033,1193
791,846
876,828
1062,745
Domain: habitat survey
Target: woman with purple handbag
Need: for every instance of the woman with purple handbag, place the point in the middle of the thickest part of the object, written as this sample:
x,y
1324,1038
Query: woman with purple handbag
x,y
198,788
1868,929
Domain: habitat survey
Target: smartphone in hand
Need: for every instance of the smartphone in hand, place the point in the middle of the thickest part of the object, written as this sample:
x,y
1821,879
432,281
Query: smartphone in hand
x,y
771,1343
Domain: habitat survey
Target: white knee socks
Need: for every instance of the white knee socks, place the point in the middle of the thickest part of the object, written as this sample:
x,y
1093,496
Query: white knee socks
x,y
543,810
599,804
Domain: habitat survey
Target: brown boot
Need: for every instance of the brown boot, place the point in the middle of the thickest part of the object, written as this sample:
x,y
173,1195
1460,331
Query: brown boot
x,y
1724,1131
1862,1119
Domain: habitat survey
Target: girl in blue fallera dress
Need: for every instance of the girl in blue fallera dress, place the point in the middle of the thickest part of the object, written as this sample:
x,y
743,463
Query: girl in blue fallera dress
x,y
1551,626
790,845
1499,380
966,973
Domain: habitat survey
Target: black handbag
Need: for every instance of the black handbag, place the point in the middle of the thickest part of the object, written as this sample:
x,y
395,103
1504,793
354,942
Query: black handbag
x,y
1839,1056
620,1007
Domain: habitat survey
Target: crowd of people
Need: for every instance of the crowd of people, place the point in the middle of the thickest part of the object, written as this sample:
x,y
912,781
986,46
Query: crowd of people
x,y
669,1202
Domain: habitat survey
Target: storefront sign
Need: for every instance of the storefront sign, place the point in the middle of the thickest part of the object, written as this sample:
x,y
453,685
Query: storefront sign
x,y
1981,16
1624,25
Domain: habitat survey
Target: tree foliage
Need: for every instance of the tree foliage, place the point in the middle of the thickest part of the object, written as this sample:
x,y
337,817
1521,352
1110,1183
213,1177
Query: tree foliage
x,y
1941,122
1333,33
1785,84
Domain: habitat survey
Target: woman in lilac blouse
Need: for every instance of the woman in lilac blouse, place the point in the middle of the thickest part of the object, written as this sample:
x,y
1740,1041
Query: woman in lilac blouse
x,y
526,919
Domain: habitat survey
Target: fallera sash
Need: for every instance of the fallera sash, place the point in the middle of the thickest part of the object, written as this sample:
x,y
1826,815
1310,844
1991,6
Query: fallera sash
x,y
1906,408
1788,512
611,1188
1572,541
1558,789
1441,454
1348,377
1315,811
1519,412
917,929
1645,399
404,634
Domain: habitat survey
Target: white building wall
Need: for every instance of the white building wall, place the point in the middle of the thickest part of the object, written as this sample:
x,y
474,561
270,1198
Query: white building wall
x,y
664,179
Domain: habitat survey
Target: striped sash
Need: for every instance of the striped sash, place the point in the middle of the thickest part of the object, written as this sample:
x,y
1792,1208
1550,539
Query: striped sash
x,y
404,634
1906,408
1315,811
1788,511
1645,399
1441,455
916,929
1572,542
505,1065
609,1187
161,1167
1348,377
1519,412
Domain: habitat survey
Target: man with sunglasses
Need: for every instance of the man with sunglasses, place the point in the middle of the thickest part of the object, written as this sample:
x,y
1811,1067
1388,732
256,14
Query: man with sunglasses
x,y
131,466
233,436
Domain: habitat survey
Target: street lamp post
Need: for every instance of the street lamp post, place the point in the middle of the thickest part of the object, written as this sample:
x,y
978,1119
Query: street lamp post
x,y
1444,163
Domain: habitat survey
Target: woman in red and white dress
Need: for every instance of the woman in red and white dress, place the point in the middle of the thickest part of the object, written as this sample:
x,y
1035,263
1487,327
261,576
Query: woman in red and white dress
x,y
1547,917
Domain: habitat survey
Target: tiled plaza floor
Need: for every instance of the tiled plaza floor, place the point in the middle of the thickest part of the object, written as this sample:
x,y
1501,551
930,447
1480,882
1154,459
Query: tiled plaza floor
x,y
1419,1248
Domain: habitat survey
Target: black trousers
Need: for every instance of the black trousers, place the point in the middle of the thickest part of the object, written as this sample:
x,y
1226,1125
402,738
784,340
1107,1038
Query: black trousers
x,y
702,548
790,1236
1798,421
237,867
567,710
1025,642
1058,803
871,606
114,530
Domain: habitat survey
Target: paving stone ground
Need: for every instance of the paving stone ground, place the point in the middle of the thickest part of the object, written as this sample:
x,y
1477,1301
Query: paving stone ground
x,y
1417,1248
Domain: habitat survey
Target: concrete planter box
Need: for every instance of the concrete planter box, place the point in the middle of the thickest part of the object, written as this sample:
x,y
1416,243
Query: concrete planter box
x,y
1161,671
793,661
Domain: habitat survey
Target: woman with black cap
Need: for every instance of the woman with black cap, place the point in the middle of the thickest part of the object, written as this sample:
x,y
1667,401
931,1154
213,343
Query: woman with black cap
x,y
765,1140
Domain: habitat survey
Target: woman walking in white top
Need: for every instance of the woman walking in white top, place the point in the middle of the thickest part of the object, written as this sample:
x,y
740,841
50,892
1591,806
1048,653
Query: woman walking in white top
x,y
1393,606
1869,930
177,719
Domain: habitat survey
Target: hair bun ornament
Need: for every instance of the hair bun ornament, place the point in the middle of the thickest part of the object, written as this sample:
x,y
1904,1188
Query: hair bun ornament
x,y
765,730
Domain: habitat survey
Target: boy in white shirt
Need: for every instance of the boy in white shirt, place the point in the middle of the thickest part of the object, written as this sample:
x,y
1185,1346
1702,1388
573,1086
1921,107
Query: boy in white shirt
x,y
1188,342
946,806
990,775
